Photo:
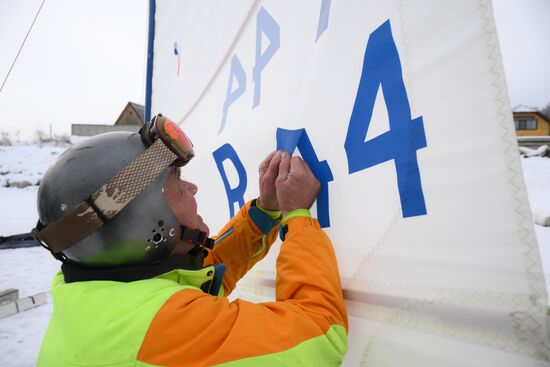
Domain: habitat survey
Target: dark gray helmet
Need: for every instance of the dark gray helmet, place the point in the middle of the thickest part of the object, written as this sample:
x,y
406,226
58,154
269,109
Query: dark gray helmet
x,y
145,231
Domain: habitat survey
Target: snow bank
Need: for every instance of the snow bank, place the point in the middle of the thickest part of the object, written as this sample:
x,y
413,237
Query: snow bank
x,y
31,269
536,171
25,164
539,152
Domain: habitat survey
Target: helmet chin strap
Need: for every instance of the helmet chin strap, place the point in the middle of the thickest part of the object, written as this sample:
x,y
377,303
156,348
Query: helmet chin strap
x,y
197,237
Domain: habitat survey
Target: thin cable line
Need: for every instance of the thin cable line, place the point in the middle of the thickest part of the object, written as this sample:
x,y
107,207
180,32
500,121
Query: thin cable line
x,y
20,48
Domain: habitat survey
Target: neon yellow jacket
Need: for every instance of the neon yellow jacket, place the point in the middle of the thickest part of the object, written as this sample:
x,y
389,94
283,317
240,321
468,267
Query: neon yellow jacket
x,y
169,321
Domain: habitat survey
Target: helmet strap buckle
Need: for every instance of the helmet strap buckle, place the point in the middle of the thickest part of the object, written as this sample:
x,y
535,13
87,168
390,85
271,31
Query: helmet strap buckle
x,y
35,233
196,236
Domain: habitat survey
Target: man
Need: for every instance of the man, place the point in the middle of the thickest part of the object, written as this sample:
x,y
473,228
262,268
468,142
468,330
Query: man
x,y
143,285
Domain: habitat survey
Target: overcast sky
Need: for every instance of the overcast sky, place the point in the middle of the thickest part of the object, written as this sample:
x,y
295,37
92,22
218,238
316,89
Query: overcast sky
x,y
85,59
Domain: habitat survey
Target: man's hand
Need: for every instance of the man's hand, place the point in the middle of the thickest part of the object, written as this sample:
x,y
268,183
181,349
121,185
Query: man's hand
x,y
297,187
269,169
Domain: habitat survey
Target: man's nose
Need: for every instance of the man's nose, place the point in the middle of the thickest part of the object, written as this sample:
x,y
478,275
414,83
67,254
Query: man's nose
x,y
189,186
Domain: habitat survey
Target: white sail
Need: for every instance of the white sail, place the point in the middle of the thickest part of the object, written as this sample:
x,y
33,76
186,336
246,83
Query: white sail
x,y
401,109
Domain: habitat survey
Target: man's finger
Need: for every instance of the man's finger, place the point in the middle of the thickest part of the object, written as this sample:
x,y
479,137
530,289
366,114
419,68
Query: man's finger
x,y
265,163
296,165
284,166
273,169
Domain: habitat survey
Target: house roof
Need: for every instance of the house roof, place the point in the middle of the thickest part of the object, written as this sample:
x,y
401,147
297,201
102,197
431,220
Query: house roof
x,y
140,110
524,108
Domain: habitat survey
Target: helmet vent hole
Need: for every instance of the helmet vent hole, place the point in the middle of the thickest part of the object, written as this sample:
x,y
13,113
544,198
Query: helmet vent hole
x,y
160,223
157,237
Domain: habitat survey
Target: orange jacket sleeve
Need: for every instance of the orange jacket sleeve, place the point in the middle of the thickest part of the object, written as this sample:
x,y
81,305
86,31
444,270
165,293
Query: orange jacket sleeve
x,y
196,329
241,244
307,273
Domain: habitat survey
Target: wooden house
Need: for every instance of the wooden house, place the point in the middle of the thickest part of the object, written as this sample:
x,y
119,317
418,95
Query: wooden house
x,y
132,114
530,122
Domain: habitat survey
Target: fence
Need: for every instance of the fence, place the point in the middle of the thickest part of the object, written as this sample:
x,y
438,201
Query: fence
x,y
91,130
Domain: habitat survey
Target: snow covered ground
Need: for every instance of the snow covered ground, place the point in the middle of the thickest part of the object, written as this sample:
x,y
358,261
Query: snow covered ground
x,y
30,270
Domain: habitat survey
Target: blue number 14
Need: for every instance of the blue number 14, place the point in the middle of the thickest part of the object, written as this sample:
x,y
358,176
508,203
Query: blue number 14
x,y
382,68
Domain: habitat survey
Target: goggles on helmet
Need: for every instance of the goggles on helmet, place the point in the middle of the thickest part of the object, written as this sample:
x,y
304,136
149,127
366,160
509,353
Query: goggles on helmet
x,y
167,145
171,135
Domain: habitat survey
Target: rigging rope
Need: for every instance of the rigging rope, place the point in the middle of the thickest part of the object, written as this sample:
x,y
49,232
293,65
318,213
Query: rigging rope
x,y
22,44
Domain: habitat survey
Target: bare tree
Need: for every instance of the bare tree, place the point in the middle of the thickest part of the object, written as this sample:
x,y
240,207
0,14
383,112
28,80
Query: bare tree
x,y
546,110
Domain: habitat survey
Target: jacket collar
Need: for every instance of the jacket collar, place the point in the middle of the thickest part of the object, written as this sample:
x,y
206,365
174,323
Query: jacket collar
x,y
183,269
